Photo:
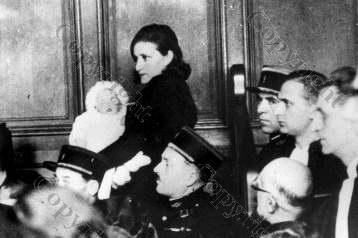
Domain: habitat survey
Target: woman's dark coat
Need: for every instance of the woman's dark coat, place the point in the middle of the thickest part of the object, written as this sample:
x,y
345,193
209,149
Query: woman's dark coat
x,y
161,109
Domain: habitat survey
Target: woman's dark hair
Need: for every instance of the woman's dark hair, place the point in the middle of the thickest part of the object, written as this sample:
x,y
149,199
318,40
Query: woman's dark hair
x,y
165,39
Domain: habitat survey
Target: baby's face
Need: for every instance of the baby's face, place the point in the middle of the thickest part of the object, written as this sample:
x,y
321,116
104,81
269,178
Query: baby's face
x,y
107,102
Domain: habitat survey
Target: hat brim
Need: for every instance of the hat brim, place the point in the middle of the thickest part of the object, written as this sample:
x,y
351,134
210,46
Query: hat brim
x,y
195,149
261,90
50,165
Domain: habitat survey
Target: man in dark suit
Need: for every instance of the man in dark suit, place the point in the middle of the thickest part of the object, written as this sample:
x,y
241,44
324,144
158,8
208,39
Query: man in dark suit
x,y
187,164
298,98
337,125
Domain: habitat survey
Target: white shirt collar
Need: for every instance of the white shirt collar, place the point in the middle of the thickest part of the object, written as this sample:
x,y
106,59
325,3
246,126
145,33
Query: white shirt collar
x,y
3,176
352,168
300,154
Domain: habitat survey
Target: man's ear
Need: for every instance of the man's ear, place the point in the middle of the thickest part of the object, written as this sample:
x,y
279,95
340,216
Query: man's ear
x,y
92,187
193,177
271,204
317,121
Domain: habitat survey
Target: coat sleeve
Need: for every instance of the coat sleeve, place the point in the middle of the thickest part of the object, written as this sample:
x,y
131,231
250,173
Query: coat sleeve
x,y
173,107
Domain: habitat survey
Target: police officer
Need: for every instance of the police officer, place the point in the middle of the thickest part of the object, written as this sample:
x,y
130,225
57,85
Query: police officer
x,y
79,170
82,171
184,168
267,90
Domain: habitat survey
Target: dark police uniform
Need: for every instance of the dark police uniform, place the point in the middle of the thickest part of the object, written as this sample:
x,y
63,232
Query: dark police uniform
x,y
194,217
280,145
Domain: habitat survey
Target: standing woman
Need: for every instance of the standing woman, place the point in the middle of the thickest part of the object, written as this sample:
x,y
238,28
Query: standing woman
x,y
166,100
163,106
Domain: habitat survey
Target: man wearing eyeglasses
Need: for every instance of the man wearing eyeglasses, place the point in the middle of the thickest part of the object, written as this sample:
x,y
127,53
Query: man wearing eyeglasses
x,y
284,188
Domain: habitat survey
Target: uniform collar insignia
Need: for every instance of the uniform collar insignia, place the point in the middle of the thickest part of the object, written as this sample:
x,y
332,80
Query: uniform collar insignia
x,y
176,204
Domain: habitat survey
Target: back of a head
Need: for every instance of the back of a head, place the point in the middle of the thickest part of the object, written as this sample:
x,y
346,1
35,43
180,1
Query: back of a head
x,y
342,78
291,181
56,211
312,82
340,89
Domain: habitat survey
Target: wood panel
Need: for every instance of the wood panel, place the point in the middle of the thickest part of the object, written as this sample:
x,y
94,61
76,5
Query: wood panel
x,y
31,61
37,90
308,34
319,35
51,53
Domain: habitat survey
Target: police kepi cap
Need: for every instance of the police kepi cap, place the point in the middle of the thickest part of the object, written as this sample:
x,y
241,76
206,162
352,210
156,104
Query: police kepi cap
x,y
195,149
82,161
271,80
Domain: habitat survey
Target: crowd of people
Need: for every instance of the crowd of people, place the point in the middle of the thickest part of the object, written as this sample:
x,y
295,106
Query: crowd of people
x,y
311,119
137,168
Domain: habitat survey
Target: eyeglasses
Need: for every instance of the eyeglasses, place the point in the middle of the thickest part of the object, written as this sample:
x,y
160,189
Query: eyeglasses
x,y
254,186
257,188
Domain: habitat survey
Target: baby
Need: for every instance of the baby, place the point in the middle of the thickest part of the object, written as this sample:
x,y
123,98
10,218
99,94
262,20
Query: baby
x,y
104,120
